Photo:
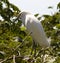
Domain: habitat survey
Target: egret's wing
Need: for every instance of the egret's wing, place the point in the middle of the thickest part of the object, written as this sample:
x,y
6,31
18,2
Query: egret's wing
x,y
38,34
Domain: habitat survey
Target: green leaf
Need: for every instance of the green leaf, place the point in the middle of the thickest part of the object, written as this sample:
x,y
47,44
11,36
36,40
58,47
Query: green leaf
x,y
58,6
39,18
50,7
58,26
14,7
36,15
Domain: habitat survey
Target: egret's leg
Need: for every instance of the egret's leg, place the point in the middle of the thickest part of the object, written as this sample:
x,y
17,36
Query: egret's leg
x,y
33,48
42,58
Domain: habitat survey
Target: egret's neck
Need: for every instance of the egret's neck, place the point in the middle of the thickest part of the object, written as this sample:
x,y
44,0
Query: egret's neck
x,y
23,20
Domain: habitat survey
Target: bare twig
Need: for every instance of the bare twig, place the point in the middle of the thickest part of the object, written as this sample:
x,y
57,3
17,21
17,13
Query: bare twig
x,y
6,59
26,36
19,53
14,59
13,56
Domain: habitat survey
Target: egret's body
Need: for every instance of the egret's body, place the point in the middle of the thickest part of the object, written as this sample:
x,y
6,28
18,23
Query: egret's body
x,y
35,28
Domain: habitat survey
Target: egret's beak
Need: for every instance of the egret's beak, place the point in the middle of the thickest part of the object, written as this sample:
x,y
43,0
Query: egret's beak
x,y
18,17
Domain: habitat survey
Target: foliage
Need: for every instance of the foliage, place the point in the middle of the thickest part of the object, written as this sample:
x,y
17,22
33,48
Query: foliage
x,y
16,43
51,26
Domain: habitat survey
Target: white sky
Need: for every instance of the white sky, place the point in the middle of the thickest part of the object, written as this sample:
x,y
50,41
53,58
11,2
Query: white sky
x,y
36,6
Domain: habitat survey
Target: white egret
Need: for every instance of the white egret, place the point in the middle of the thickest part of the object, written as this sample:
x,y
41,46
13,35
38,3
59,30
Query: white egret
x,y
35,28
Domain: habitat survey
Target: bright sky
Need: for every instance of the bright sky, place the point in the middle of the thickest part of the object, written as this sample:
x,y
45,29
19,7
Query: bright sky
x,y
36,6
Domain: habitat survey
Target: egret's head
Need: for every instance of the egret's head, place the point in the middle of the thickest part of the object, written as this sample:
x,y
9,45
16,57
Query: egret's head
x,y
22,16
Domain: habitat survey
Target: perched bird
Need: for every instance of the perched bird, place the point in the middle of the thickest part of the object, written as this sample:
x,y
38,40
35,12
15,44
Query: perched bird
x,y
35,28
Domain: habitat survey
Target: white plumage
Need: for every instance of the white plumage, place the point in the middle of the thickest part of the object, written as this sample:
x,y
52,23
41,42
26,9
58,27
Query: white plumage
x,y
35,28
